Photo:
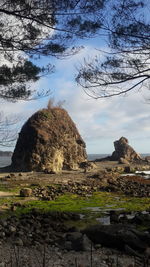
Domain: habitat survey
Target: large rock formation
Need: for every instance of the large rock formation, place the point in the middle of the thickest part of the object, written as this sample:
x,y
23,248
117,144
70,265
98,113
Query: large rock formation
x,y
124,152
50,141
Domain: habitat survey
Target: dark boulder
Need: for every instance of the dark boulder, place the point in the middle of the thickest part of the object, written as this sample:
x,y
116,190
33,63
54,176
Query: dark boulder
x,y
78,241
118,236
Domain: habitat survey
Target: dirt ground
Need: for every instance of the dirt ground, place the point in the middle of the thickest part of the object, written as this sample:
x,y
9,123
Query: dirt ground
x,y
23,179
53,257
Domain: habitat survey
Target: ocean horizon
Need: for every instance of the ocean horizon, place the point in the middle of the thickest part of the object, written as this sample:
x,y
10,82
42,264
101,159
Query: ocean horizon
x,y
6,161
100,156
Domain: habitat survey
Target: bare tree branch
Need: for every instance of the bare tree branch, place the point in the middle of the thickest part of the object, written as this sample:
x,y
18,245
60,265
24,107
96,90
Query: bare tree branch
x,y
125,65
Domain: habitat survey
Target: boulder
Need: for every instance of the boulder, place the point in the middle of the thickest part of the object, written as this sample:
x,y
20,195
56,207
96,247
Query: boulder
x,y
124,153
118,236
147,159
123,161
50,141
78,242
88,166
25,192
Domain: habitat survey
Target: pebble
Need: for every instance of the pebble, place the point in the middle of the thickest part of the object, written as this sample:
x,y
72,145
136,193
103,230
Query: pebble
x,y
18,242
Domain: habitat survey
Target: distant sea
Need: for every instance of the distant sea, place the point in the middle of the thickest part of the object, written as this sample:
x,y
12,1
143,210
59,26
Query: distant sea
x,y
5,161
97,156
100,156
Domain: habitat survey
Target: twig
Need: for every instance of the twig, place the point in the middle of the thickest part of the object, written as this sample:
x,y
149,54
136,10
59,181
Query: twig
x,y
91,255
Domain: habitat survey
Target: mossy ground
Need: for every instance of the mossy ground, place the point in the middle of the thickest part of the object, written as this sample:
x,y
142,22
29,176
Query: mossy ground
x,y
102,201
91,207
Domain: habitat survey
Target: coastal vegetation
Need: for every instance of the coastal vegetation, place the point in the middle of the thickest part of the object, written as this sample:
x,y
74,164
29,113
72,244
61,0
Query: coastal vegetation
x,y
103,201
100,201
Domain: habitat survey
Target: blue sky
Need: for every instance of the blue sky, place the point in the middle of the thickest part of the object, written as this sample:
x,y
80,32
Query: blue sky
x,y
100,122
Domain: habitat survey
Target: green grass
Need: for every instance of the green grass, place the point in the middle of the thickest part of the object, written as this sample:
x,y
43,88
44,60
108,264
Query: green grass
x,y
102,200
9,188
73,203
82,205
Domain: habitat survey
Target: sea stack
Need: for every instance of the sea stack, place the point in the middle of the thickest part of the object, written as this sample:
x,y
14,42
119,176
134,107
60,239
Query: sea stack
x,y
123,151
49,141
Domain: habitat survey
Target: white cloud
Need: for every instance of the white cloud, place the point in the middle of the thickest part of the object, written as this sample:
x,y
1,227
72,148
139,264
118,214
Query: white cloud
x,y
100,122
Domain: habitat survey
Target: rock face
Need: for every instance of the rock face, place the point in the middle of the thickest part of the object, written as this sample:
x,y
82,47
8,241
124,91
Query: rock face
x,y
49,141
124,152
118,236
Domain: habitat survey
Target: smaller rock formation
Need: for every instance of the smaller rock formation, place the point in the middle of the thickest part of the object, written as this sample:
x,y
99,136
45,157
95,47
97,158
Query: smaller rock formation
x,y
124,152
25,192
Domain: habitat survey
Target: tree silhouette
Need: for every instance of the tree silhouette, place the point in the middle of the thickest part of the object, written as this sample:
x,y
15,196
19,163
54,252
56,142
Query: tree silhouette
x,y
125,63
30,29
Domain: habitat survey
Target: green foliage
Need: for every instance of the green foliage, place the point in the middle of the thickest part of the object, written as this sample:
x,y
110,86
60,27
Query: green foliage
x,y
45,114
125,61
41,28
91,207
9,188
102,200
13,80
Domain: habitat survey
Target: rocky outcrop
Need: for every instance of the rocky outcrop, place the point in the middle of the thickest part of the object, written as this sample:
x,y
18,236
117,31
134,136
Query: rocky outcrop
x,y
49,141
118,236
124,152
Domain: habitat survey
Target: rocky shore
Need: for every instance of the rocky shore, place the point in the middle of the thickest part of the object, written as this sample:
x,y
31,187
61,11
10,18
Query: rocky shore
x,y
122,242
48,256
39,231
59,209
100,181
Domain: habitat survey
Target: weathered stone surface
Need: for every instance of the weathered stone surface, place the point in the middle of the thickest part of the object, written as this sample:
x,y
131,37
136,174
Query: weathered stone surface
x,y
50,141
123,151
118,235
88,166
123,161
25,192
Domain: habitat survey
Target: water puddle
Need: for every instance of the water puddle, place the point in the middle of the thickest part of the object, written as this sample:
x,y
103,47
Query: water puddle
x,y
129,216
107,208
81,216
144,174
104,220
94,209
105,217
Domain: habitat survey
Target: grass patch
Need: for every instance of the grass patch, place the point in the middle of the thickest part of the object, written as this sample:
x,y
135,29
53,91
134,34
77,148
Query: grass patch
x,y
102,200
9,188
90,207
